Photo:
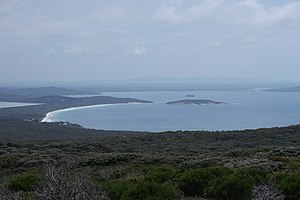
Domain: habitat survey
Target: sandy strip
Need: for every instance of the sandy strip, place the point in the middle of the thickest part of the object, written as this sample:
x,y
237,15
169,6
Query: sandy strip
x,y
50,115
4,104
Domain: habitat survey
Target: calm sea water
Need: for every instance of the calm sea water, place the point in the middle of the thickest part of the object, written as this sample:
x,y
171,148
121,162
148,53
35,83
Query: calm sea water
x,y
244,109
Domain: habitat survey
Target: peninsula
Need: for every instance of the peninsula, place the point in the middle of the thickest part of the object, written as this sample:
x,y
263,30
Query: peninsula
x,y
55,101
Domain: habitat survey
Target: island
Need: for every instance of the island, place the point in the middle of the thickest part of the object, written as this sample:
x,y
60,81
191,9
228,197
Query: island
x,y
190,95
194,102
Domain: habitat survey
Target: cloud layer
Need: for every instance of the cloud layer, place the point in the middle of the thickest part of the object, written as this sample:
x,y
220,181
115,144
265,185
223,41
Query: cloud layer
x,y
257,12
78,50
172,37
176,12
139,50
272,15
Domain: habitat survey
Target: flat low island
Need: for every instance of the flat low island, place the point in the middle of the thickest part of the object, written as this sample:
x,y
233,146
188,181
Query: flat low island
x,y
195,102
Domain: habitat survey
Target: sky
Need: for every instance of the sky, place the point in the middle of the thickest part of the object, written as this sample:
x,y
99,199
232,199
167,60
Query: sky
x,y
76,40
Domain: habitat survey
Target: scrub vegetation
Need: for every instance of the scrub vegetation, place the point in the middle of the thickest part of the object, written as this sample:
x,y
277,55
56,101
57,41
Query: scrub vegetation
x,y
65,161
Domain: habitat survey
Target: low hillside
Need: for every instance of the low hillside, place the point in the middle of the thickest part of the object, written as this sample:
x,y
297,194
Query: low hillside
x,y
249,164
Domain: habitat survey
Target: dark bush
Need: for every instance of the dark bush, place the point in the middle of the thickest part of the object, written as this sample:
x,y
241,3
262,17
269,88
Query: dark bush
x,y
193,182
220,183
220,171
116,190
289,184
258,175
235,186
160,174
143,189
150,190
24,182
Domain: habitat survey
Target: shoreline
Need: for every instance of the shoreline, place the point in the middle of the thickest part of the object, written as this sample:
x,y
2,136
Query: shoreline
x,y
51,114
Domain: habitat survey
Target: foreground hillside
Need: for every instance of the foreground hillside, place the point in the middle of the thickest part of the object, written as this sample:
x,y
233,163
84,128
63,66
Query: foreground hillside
x,y
128,165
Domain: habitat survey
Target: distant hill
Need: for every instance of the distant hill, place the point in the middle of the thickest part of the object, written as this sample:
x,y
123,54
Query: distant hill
x,y
11,97
42,91
289,89
53,99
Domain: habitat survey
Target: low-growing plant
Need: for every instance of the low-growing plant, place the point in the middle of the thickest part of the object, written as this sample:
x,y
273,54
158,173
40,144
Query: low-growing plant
x,y
116,190
151,190
160,174
143,189
193,182
23,182
258,175
220,182
235,186
289,184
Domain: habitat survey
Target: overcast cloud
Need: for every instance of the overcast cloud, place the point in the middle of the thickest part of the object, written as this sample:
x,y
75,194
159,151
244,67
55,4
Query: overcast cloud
x,y
68,40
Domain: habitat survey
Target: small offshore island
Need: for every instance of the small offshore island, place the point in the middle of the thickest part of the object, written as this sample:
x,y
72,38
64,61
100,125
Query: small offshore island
x,y
195,102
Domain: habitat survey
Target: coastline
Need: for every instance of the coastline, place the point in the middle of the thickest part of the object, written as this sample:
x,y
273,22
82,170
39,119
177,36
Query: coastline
x,y
51,114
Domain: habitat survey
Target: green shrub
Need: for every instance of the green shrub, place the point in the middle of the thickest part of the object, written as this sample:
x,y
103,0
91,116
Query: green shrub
x,y
150,190
143,189
193,182
256,174
116,190
220,171
160,174
24,182
234,186
289,184
220,183
165,183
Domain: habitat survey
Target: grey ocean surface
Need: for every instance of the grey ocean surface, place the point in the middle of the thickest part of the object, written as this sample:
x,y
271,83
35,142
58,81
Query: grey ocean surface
x,y
244,110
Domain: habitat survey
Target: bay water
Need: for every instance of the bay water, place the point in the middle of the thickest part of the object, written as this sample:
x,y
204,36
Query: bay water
x,y
243,110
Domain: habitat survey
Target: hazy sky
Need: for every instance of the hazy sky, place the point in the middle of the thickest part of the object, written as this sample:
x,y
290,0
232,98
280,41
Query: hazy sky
x,y
123,39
